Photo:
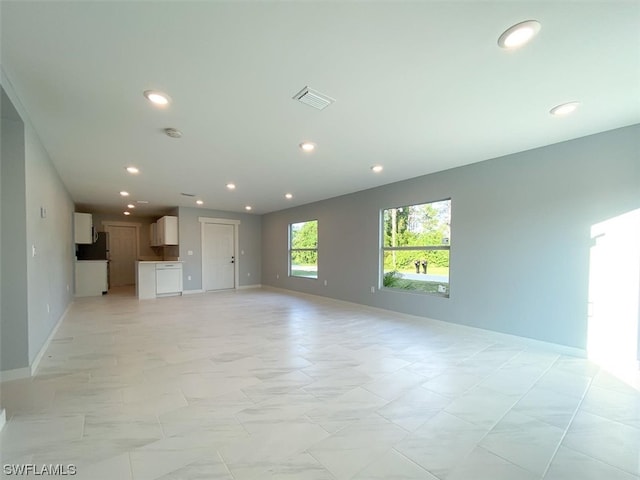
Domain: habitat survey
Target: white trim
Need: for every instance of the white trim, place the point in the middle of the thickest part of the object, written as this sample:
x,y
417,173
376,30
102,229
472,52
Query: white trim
x,y
3,418
246,287
192,292
15,374
114,223
227,221
236,245
36,361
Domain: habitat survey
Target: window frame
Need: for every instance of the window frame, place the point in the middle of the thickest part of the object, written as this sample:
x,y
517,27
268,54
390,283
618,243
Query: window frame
x,y
305,249
384,249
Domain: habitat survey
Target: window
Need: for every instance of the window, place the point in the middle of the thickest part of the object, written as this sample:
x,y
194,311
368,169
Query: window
x,y
415,247
303,249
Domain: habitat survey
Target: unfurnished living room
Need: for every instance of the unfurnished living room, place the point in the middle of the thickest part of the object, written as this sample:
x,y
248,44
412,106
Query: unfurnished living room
x,y
320,240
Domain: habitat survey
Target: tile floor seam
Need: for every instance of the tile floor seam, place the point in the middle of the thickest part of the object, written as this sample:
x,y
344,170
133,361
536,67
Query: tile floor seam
x,y
566,430
320,463
602,461
370,463
413,462
225,464
130,465
502,418
612,420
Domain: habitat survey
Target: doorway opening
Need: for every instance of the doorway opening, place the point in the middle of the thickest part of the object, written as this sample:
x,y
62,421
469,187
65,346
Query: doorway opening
x,y
123,253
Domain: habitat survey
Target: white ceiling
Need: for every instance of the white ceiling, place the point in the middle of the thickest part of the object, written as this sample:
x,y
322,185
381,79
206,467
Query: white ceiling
x,y
419,87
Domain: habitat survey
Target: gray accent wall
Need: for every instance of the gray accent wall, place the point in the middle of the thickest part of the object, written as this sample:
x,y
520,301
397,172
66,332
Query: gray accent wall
x,y
14,351
520,237
37,215
49,213
190,239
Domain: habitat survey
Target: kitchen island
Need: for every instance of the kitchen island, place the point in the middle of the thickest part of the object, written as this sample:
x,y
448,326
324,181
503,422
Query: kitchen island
x,y
158,279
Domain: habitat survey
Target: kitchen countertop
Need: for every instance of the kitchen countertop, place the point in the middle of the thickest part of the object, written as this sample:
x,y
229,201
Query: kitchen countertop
x,y
91,261
160,261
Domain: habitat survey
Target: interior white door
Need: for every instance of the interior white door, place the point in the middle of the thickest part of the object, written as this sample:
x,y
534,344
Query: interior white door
x,y
123,252
218,256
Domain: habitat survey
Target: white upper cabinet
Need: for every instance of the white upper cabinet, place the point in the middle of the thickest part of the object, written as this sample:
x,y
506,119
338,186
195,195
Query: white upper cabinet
x,y
166,231
83,227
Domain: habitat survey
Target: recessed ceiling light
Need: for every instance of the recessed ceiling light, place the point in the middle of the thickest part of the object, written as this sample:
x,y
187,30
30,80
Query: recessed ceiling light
x,y
308,146
231,186
199,202
564,109
288,196
248,207
124,194
157,98
131,205
133,170
376,168
127,213
519,34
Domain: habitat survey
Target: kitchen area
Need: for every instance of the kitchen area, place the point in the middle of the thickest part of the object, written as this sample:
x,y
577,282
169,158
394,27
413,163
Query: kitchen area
x,y
137,257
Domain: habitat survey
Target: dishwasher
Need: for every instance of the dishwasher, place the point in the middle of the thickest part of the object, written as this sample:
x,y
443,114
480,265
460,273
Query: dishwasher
x,y
168,278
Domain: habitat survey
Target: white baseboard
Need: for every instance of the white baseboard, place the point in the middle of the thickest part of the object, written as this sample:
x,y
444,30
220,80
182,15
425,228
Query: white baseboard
x,y
15,374
36,361
241,287
3,418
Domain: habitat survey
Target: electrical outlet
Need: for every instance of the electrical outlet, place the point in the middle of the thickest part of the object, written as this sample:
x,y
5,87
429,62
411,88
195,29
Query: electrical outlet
x,y
189,277
67,287
48,308
248,274
33,250
325,283
373,289
189,252
277,276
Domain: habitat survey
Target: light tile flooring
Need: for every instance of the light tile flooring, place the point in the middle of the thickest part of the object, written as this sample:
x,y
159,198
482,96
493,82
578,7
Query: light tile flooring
x,y
258,384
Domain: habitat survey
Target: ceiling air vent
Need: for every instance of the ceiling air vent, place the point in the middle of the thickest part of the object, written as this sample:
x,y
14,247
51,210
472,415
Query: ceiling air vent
x,y
173,132
313,98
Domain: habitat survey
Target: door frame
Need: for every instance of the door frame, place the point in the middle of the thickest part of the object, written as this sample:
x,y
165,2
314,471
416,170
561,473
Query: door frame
x,y
109,223
236,263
